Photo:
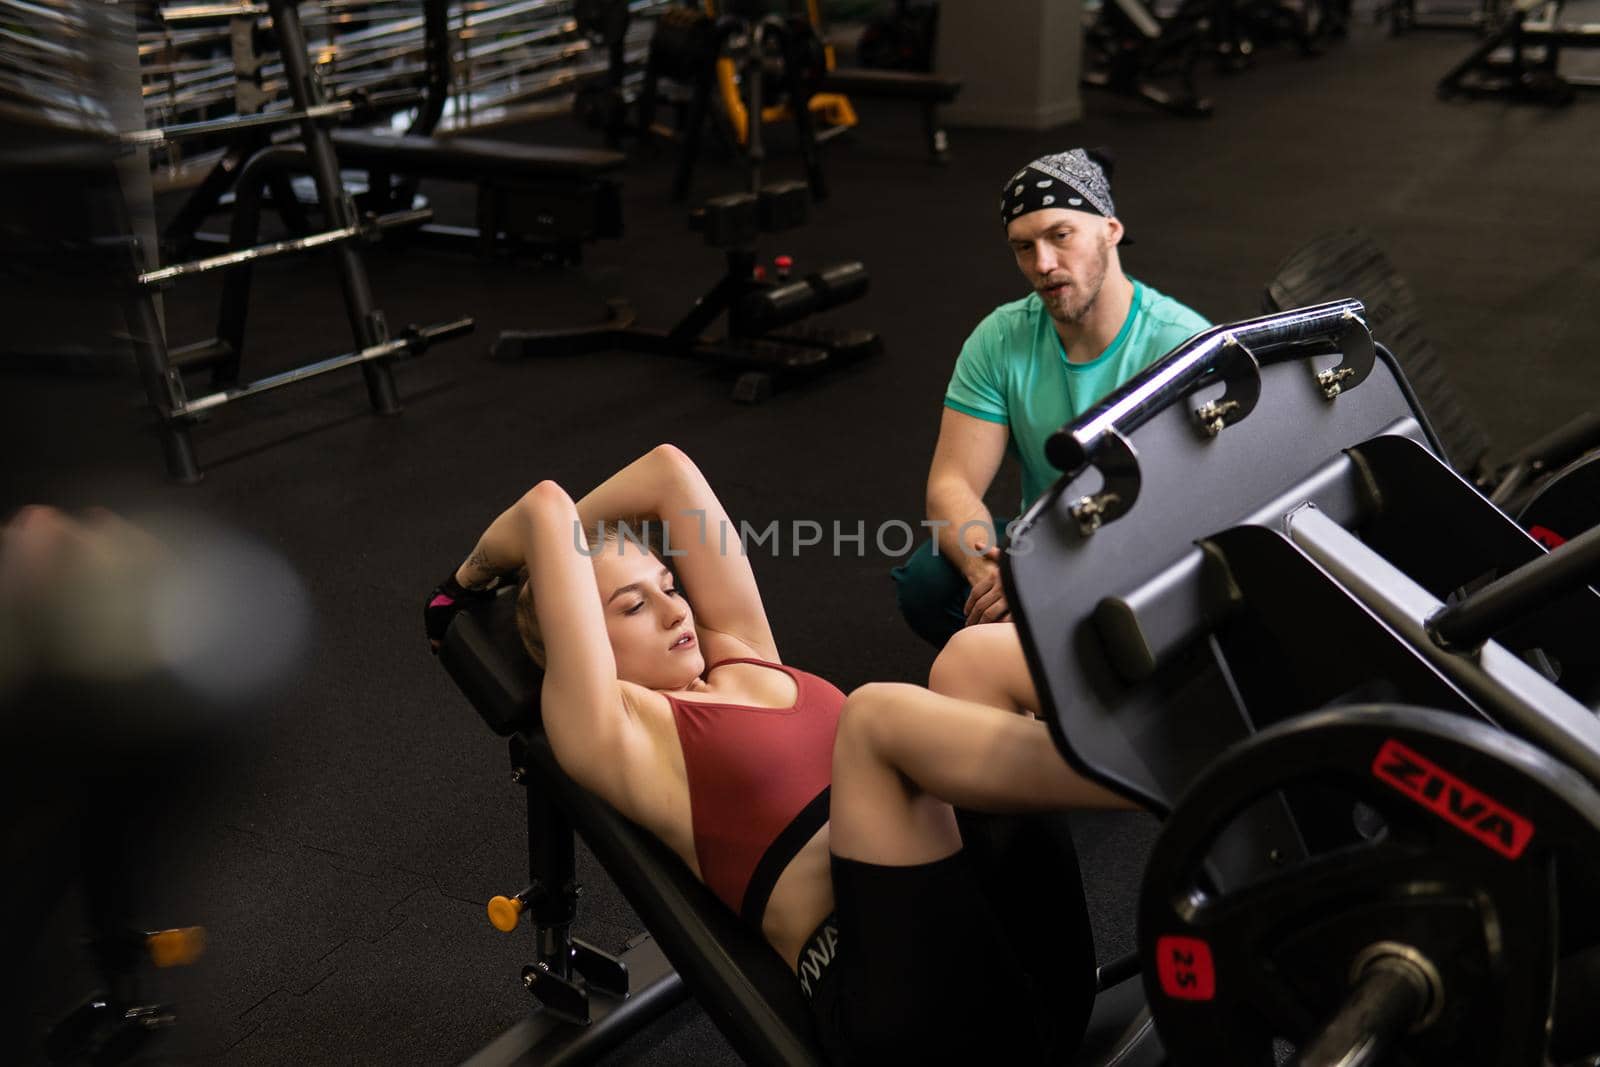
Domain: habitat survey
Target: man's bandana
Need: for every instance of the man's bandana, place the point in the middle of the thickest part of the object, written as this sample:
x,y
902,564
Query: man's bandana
x,y
1067,179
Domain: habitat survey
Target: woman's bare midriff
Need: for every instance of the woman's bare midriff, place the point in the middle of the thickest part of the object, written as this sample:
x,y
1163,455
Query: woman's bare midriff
x,y
801,899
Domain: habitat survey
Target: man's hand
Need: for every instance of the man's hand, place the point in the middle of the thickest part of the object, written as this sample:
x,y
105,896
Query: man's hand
x,y
987,601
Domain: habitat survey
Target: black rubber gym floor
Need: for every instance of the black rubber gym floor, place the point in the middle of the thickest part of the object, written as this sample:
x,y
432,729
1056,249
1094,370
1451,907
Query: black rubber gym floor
x,y
342,856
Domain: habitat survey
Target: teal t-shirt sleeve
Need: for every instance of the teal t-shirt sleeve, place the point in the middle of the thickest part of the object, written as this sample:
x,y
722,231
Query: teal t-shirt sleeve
x,y
1182,323
1190,323
1167,324
975,385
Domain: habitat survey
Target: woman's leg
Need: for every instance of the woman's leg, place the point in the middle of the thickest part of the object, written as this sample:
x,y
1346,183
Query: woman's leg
x,y
903,755
1049,933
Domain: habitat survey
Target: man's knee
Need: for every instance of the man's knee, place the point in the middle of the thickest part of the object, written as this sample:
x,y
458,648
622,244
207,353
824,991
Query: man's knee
x,y
982,663
956,663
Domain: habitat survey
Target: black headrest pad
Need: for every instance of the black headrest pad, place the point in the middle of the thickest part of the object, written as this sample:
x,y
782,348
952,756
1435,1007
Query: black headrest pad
x,y
484,655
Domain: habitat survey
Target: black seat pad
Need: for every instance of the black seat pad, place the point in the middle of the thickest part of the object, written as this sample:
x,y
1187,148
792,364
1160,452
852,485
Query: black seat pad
x,y
891,85
470,158
735,976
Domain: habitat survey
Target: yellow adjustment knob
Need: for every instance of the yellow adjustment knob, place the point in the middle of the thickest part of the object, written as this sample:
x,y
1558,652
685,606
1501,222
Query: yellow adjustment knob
x,y
176,948
504,913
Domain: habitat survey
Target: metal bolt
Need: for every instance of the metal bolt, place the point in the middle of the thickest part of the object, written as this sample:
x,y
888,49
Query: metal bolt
x,y
1330,380
1089,511
1213,415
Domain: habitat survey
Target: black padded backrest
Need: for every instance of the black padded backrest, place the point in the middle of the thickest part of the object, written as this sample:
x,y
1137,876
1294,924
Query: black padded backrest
x,y
734,975
471,158
484,655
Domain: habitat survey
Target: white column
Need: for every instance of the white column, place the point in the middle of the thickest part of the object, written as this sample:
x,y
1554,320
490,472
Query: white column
x,y
1018,61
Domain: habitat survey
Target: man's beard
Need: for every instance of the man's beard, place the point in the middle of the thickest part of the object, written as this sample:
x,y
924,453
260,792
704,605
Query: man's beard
x,y
1071,314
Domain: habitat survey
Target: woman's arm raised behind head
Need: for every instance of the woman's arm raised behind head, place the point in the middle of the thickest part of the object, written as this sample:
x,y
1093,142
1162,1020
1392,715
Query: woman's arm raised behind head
x,y
593,730
501,550
703,544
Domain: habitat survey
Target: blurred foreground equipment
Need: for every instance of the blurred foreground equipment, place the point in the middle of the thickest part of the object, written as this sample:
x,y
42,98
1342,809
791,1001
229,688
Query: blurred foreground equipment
x,y
132,660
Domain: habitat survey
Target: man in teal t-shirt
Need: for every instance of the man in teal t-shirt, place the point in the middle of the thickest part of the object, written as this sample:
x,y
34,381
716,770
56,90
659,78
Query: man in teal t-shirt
x,y
1029,367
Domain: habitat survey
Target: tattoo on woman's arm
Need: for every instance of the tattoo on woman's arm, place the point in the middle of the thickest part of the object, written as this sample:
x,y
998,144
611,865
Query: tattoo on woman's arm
x,y
479,572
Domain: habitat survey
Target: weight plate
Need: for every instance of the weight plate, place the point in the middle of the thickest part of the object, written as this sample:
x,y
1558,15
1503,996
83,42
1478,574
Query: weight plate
x,y
1565,504
1462,827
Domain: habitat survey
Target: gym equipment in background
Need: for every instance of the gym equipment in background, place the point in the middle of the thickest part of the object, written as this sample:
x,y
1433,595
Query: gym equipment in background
x,y
903,39
1519,59
503,61
547,200
1239,28
544,199
186,89
1350,262
765,344
1475,16
86,174
162,368
769,68
1130,51
768,60
921,86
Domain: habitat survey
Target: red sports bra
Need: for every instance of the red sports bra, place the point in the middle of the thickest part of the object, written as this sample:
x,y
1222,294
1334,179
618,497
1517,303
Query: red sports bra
x,y
758,784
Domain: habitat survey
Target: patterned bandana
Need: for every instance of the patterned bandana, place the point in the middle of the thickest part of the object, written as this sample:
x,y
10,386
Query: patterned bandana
x,y
1078,180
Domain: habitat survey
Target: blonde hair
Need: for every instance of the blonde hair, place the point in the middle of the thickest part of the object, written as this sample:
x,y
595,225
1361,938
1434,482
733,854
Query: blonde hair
x,y
611,533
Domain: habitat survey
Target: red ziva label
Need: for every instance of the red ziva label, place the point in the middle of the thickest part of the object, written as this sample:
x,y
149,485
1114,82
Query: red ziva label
x,y
1183,965
1453,800
1546,536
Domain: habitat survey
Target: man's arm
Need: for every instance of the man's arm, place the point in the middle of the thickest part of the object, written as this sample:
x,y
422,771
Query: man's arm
x,y
965,461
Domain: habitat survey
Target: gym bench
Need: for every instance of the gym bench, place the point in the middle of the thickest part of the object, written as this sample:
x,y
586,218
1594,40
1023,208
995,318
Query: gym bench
x,y
552,198
928,90
733,974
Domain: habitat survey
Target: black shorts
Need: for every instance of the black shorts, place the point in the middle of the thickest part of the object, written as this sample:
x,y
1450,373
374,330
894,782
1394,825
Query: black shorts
x,y
914,967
